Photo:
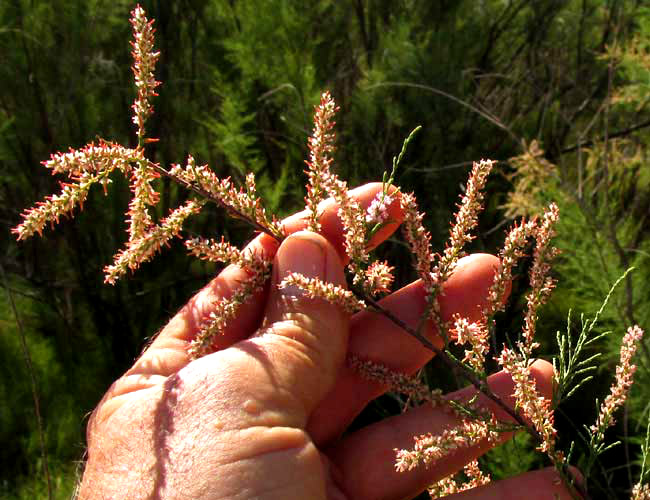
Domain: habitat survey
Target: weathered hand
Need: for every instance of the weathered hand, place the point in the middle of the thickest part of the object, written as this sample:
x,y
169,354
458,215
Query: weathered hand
x,y
263,415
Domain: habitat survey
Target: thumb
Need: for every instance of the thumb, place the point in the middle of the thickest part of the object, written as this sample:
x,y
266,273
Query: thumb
x,y
308,337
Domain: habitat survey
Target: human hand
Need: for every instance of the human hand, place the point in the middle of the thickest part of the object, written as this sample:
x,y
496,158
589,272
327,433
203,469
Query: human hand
x,y
262,416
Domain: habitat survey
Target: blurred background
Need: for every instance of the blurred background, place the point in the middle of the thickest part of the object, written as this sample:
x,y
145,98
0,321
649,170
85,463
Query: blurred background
x,y
558,91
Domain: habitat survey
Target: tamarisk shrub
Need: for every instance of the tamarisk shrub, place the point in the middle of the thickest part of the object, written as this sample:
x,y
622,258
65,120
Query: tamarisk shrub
x,y
369,279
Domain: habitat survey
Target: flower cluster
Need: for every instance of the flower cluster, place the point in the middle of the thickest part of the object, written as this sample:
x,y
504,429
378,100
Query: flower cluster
x,y
624,378
87,166
465,221
430,448
419,240
377,212
541,283
258,268
511,252
144,247
241,203
641,492
476,335
379,278
222,251
411,386
535,407
321,144
315,288
323,181
144,62
224,311
448,486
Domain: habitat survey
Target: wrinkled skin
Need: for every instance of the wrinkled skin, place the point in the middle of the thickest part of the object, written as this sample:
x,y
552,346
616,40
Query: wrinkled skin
x,y
262,417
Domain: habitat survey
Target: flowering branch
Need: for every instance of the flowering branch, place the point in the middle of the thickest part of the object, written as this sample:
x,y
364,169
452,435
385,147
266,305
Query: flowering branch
x,y
94,164
321,144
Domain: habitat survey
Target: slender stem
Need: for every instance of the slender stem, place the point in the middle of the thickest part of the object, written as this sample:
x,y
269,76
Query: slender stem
x,y
32,376
456,367
479,384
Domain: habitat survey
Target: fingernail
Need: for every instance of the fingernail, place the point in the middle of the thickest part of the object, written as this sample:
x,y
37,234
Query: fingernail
x,y
301,254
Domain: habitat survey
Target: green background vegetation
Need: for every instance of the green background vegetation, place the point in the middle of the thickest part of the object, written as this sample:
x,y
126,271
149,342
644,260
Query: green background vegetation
x,y
561,85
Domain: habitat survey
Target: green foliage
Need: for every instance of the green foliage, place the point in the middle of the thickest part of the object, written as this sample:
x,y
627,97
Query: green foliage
x,y
61,407
239,83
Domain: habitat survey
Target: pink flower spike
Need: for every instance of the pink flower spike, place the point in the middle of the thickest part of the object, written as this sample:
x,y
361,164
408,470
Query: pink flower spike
x,y
429,448
512,251
321,145
396,381
142,249
624,379
541,283
87,166
464,223
536,408
144,63
476,335
318,289
419,240
225,310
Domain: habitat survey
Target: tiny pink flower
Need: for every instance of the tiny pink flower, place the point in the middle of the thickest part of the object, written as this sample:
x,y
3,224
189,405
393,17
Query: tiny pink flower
x,y
377,212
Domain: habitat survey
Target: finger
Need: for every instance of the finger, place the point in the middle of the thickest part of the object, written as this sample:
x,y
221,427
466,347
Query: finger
x,y
303,341
375,337
378,478
535,485
168,353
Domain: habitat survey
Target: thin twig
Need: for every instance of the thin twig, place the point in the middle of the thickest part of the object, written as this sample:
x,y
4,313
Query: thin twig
x,y
32,376
489,117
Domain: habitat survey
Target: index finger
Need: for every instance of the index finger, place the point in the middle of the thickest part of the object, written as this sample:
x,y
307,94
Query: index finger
x,y
168,352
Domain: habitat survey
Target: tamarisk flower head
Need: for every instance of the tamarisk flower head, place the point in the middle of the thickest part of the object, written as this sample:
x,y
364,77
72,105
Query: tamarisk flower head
x,y
512,251
624,379
379,277
541,283
226,309
318,289
377,212
321,145
418,239
144,63
396,381
354,223
323,181
242,203
222,251
536,408
641,492
476,335
460,234
144,195
258,268
143,248
90,165
449,486
430,448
